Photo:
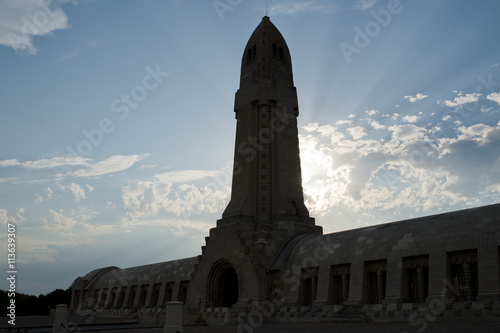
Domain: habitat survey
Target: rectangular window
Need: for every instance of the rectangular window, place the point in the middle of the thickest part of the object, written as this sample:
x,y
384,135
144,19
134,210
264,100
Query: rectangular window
x,y
155,295
131,296
339,284
415,278
463,274
183,290
143,295
375,281
169,292
308,286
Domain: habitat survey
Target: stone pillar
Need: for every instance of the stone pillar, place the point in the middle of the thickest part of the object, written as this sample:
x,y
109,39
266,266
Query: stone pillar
x,y
173,318
438,279
357,280
324,285
393,278
61,318
488,265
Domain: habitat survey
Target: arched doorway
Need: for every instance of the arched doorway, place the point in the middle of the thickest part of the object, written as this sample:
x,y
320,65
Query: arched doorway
x,y
222,285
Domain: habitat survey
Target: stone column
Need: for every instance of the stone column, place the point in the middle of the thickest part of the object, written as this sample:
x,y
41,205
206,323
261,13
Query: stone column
x,y
61,318
438,280
488,265
324,284
173,318
356,279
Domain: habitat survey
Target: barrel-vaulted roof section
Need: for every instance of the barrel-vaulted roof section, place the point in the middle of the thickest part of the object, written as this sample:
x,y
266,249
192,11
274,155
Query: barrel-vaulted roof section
x,y
169,271
441,233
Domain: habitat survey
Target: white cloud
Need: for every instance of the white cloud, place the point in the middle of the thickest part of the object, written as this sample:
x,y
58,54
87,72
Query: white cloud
x,y
446,117
148,166
311,127
485,109
43,163
77,191
371,112
115,163
60,222
72,225
21,20
415,170
17,218
407,132
376,125
56,162
417,97
8,163
294,8
462,99
3,216
365,4
342,122
356,132
327,130
153,197
495,97
39,198
351,116
79,166
185,175
411,119
477,132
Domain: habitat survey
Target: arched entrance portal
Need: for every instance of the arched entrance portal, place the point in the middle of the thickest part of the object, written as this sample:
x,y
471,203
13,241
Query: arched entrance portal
x,y
223,287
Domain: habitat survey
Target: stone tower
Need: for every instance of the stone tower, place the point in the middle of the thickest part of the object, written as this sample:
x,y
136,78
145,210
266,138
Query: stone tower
x,y
267,204
267,183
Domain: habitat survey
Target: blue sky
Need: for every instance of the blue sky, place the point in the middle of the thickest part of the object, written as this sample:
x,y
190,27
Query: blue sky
x,y
117,125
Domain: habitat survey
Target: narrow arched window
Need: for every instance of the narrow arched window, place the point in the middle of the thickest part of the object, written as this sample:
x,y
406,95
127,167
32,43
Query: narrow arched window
x,y
249,55
254,52
281,53
275,51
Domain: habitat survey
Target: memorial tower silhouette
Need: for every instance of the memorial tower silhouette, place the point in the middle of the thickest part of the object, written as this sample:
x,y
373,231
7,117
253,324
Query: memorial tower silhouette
x,y
267,204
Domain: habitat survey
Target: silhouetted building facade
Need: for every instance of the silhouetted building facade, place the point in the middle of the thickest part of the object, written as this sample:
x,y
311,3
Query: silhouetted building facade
x,y
266,256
